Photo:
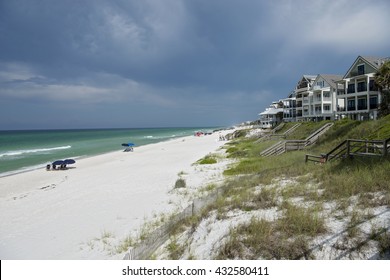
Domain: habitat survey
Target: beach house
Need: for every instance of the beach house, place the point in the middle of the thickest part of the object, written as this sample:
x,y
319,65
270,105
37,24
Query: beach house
x,y
330,97
302,92
322,97
272,115
289,108
358,97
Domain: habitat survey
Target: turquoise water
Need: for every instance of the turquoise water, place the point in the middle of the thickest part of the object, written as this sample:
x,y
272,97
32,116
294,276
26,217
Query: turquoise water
x,y
27,150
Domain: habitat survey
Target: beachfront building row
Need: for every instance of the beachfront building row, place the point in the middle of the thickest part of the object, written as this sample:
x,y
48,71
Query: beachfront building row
x,y
331,97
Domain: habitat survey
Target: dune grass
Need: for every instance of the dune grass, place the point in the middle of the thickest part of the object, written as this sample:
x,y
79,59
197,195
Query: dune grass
x,y
368,179
254,183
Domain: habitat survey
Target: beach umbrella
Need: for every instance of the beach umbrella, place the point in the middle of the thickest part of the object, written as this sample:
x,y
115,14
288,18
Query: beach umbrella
x,y
58,162
128,144
69,161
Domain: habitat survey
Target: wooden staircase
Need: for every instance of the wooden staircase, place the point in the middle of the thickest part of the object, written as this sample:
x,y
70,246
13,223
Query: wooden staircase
x,y
293,145
354,147
272,134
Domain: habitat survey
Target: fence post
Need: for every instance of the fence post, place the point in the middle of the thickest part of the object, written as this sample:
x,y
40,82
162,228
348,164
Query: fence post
x,y
348,147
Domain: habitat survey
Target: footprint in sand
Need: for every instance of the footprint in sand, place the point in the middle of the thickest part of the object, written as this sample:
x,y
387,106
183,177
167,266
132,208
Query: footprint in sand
x,y
49,187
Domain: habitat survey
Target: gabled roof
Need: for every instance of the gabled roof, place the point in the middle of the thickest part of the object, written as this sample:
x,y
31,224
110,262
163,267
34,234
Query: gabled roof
x,y
307,78
373,61
330,79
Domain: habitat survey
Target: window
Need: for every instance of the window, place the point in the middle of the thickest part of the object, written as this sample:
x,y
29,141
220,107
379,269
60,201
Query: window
x,y
326,94
351,88
361,69
361,86
326,107
362,104
373,102
351,105
372,86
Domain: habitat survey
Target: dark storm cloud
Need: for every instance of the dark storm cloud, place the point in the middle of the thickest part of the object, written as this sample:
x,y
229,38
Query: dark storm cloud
x,y
173,62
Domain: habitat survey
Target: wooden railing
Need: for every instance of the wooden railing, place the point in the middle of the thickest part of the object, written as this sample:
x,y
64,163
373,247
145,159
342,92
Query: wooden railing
x,y
293,145
273,133
354,147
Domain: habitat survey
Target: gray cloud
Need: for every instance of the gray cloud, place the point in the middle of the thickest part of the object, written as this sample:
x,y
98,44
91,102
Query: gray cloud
x,y
172,61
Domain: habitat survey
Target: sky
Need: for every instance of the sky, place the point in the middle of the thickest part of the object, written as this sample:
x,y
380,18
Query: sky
x,y
172,63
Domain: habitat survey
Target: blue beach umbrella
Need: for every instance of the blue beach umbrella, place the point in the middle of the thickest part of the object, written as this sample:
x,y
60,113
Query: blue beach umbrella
x,y
58,162
69,161
128,144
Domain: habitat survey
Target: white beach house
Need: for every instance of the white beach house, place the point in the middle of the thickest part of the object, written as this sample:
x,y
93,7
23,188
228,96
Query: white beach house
x,y
302,92
272,115
331,97
322,97
359,96
289,108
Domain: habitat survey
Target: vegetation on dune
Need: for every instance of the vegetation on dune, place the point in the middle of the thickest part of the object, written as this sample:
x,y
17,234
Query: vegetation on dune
x,y
209,159
364,180
303,197
382,79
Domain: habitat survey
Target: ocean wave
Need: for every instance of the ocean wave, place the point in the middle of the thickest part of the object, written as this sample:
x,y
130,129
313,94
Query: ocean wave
x,y
32,151
157,137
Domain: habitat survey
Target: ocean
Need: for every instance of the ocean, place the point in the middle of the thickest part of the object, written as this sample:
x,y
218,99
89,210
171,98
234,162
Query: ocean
x,y
32,149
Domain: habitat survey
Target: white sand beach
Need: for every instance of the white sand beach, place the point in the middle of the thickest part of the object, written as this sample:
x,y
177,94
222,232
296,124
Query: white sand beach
x,y
59,214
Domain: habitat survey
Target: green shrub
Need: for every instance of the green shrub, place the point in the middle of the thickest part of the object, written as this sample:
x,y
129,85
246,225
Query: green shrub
x,y
207,160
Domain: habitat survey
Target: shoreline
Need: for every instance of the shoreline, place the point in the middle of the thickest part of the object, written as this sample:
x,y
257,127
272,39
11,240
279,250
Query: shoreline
x,y
56,215
80,157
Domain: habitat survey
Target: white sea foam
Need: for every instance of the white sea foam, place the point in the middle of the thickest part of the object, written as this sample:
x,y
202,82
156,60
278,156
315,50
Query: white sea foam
x,y
31,151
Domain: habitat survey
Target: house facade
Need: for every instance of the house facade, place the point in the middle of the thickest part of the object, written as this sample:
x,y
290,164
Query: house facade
x,y
359,97
302,92
330,97
289,108
272,115
323,98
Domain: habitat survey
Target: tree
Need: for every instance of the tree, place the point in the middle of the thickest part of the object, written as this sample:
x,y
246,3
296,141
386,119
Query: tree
x,y
382,79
